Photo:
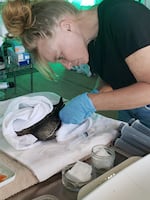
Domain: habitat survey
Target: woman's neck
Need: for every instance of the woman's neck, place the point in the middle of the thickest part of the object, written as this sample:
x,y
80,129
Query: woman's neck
x,y
88,23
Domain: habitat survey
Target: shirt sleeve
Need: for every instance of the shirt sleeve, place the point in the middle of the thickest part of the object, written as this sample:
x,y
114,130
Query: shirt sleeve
x,y
130,28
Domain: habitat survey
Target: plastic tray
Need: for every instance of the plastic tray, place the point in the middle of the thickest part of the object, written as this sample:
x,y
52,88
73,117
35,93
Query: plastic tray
x,y
90,187
10,175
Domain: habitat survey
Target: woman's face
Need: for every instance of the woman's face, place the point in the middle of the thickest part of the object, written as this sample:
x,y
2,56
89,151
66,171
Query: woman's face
x,y
67,46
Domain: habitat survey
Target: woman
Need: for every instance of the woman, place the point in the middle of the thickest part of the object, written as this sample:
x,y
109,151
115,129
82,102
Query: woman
x,y
114,38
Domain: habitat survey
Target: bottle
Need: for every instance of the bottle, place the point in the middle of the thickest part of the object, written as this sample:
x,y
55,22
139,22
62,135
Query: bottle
x,y
135,138
5,85
128,148
140,127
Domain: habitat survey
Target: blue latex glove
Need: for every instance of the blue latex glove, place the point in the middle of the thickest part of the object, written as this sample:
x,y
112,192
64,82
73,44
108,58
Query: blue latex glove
x,y
95,91
77,110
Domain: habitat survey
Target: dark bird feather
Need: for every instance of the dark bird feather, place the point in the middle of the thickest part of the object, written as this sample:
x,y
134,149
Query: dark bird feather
x,y
46,128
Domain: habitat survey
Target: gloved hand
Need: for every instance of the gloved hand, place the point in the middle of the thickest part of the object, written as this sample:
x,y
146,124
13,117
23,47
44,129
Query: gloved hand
x,y
77,110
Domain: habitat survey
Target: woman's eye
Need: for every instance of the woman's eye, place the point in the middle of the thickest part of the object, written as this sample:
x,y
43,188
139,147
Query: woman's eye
x,y
61,58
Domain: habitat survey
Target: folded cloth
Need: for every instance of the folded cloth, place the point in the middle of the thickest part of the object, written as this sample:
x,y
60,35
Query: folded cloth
x,y
50,157
47,158
46,128
22,113
68,132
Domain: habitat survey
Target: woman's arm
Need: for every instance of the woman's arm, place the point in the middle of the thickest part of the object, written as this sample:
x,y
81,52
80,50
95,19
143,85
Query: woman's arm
x,y
133,96
102,86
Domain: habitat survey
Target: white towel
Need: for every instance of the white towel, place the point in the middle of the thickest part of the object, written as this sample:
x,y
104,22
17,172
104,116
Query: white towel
x,y
22,113
69,132
74,134
49,157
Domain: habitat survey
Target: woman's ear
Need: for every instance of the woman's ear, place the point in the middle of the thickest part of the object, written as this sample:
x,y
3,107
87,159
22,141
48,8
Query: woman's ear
x,y
66,25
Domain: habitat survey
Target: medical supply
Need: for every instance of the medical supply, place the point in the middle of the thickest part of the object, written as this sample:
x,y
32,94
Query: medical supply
x,y
135,138
140,127
128,148
5,85
102,158
77,175
46,197
19,58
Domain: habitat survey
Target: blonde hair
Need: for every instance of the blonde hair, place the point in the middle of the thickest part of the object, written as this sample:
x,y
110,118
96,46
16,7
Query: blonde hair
x,y
31,21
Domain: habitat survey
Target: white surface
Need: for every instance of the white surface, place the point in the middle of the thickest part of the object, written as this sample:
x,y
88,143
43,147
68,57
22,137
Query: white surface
x,y
49,157
131,183
7,172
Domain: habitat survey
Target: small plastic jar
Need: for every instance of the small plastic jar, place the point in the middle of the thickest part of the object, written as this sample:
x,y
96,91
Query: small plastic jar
x,y
102,158
69,184
46,197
